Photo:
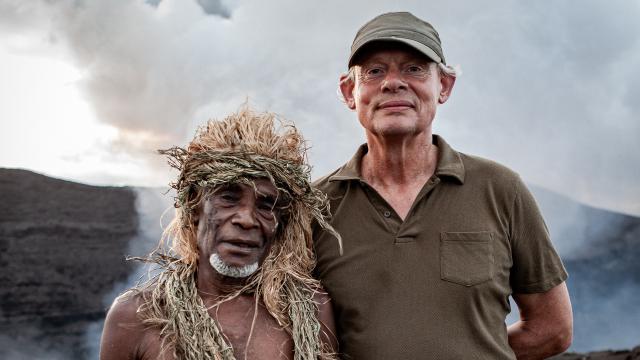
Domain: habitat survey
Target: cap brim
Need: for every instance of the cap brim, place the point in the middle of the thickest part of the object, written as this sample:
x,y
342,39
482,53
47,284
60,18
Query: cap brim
x,y
414,44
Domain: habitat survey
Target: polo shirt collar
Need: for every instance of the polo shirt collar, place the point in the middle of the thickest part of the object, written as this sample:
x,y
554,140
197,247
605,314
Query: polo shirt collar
x,y
449,163
351,170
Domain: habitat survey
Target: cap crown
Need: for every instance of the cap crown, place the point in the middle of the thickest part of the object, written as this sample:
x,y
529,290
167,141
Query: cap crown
x,y
402,27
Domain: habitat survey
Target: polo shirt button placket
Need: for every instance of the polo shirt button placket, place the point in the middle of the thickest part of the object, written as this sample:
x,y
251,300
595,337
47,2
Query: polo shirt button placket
x,y
387,213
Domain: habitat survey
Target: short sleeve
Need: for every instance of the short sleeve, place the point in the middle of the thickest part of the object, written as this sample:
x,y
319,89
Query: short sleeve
x,y
537,267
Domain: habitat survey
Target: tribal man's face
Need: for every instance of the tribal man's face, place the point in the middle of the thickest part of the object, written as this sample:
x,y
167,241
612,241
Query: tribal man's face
x,y
236,227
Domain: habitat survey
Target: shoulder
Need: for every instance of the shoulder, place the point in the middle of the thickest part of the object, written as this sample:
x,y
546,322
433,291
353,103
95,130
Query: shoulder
x,y
123,329
487,175
325,184
334,189
486,179
123,313
470,170
125,306
334,185
479,167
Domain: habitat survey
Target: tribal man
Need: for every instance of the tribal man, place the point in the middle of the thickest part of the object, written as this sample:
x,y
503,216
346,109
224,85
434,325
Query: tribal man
x,y
236,283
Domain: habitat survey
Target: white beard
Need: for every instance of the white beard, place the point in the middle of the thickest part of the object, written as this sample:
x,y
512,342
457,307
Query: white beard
x,y
232,271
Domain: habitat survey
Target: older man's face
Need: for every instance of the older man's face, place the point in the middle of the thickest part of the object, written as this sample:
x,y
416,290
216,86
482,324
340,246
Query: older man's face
x,y
396,91
236,227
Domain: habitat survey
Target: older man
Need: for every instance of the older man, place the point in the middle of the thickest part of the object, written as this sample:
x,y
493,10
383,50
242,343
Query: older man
x,y
237,284
435,241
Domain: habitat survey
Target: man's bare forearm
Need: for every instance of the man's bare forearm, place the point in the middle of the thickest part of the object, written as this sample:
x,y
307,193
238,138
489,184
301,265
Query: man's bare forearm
x,y
546,324
529,343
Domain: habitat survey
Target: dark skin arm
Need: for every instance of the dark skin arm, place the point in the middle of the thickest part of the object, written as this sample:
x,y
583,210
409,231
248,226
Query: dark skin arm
x,y
546,324
327,322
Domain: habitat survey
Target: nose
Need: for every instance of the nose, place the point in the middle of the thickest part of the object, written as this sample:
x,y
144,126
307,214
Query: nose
x,y
245,217
393,81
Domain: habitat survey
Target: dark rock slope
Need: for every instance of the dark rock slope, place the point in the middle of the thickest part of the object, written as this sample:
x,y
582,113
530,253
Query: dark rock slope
x,y
62,248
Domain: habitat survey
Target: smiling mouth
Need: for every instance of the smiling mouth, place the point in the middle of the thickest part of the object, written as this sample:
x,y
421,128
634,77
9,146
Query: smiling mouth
x,y
395,105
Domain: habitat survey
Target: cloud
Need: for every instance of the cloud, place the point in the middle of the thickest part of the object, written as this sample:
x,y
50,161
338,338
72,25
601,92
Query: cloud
x,y
548,88
215,7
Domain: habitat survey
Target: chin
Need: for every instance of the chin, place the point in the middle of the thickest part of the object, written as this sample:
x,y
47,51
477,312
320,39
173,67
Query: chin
x,y
395,126
395,130
234,271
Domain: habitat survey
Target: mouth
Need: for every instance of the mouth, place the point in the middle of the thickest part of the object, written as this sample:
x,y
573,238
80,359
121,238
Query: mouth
x,y
240,246
395,105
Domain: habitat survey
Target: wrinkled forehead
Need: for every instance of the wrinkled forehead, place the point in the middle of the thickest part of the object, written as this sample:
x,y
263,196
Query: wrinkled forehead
x,y
262,189
378,49
259,186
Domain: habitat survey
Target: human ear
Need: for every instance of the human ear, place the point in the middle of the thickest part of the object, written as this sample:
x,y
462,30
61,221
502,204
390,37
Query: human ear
x,y
347,86
446,83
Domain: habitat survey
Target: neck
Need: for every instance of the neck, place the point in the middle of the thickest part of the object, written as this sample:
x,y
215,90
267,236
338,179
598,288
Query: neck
x,y
399,161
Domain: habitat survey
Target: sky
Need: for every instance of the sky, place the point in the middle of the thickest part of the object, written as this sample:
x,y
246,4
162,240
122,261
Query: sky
x,y
90,89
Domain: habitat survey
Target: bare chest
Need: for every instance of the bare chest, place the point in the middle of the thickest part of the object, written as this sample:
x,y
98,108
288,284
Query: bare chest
x,y
253,335
259,338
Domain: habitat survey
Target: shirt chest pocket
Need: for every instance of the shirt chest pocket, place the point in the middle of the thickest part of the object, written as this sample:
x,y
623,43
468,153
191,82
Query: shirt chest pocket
x,y
466,258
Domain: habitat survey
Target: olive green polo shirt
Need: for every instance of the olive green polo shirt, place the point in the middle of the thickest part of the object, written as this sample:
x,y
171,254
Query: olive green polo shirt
x,y
436,285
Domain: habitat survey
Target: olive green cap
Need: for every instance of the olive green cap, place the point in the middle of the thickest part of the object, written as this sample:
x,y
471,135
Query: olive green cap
x,y
401,27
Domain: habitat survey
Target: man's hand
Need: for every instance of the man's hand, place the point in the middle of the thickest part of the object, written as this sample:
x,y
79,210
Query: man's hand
x,y
546,324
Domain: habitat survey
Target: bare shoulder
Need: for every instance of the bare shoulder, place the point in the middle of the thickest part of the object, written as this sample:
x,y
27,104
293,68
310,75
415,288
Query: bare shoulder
x,y
327,322
125,307
123,329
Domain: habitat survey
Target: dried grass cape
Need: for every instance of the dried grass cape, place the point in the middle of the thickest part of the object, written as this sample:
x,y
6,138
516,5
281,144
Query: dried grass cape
x,y
243,147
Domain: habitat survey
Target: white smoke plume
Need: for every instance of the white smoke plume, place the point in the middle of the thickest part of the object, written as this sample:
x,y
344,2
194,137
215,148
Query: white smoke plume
x,y
549,88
